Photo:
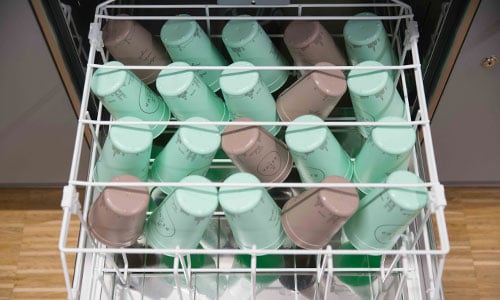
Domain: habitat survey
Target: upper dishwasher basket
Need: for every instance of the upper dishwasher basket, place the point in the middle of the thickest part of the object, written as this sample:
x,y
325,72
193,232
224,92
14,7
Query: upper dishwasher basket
x,y
219,270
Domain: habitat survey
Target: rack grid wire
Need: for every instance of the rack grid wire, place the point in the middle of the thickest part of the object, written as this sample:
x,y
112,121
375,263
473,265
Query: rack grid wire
x,y
411,270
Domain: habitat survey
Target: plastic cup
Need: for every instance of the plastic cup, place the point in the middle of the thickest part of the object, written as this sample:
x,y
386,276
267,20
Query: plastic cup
x,y
384,214
315,151
252,214
188,96
254,150
316,93
127,150
186,41
245,40
311,219
386,150
124,94
189,152
373,96
117,216
367,40
183,217
132,44
247,96
310,43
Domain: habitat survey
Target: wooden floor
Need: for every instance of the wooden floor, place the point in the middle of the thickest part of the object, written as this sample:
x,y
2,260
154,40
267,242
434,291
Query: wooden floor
x,y
30,266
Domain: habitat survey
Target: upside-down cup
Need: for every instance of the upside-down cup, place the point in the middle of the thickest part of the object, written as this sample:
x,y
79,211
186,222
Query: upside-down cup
x,y
310,43
254,150
123,94
252,214
316,93
247,96
188,96
186,41
368,40
315,150
117,216
312,218
130,43
246,40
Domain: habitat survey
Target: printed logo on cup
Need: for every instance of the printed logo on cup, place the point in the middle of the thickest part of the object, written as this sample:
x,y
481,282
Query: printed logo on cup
x,y
148,101
270,164
316,174
163,224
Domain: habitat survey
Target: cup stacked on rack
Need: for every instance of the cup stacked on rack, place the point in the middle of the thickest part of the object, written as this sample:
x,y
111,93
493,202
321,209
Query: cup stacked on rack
x,y
261,156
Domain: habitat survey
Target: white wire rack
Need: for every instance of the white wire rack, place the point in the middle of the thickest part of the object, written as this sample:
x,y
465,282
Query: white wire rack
x,y
411,270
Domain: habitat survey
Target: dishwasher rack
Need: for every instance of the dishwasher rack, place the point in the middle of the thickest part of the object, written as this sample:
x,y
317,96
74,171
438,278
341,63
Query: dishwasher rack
x,y
411,270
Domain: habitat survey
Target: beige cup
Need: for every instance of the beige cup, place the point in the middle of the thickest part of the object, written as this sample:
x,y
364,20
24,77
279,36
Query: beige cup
x,y
132,44
311,219
310,43
254,150
316,93
117,216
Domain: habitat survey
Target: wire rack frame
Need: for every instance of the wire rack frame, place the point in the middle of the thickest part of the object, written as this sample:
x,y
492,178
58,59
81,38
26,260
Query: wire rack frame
x,y
418,251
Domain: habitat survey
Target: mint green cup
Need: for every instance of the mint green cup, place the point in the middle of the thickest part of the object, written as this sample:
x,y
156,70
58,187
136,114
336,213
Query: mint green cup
x,y
245,40
315,151
183,217
188,96
186,41
247,96
385,213
123,94
252,214
373,95
127,150
368,40
189,152
386,150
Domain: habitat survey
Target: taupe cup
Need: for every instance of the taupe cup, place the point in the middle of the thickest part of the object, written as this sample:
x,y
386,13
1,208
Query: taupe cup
x,y
132,44
310,43
117,216
316,93
311,219
254,150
